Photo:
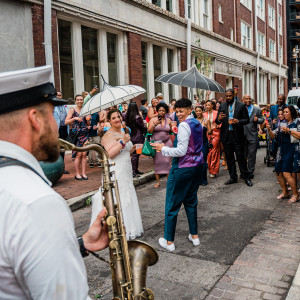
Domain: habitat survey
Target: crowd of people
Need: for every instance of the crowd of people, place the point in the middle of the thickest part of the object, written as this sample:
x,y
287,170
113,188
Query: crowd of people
x,y
231,130
188,142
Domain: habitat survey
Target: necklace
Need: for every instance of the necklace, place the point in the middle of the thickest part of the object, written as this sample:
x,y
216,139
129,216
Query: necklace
x,y
201,120
231,107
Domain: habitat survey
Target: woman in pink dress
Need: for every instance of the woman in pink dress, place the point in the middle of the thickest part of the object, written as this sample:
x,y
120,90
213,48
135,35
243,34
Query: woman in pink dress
x,y
161,127
213,157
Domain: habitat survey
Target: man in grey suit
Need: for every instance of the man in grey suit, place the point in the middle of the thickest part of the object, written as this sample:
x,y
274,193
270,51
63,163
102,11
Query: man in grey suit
x,y
251,133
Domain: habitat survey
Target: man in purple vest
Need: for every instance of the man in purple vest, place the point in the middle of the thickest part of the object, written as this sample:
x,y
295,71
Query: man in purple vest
x,y
185,174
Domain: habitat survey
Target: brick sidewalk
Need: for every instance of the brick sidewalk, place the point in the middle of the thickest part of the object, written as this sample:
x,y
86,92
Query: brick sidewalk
x,y
69,187
266,267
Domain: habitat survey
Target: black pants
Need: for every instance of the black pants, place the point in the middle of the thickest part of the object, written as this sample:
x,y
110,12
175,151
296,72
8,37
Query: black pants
x,y
250,154
230,148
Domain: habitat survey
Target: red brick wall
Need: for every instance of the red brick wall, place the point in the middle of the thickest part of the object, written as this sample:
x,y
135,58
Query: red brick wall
x,y
181,8
285,87
261,26
227,17
239,83
38,40
135,62
284,48
221,79
183,66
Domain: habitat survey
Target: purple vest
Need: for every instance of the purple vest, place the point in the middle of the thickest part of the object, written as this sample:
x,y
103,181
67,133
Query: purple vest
x,y
194,155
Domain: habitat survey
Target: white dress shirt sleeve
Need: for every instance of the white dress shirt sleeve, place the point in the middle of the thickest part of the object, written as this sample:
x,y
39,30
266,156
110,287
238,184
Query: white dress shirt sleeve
x,y
184,132
43,251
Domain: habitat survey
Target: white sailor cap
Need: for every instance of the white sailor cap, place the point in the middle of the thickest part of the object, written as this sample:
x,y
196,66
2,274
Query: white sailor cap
x,y
160,95
25,88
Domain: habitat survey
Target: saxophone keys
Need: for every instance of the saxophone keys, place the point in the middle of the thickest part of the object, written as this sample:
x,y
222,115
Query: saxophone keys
x,y
111,221
113,244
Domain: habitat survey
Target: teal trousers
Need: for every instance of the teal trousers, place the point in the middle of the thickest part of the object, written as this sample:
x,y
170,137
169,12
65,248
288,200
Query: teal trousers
x,y
182,188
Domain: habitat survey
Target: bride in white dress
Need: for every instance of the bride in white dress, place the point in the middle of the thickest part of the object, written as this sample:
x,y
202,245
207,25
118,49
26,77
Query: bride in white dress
x,y
119,146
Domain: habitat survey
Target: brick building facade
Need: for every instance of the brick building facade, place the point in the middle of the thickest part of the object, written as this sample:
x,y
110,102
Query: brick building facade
x,y
134,41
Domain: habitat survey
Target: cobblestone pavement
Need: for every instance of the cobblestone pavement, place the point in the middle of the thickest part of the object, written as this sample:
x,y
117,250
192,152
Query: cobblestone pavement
x,y
266,267
69,187
249,243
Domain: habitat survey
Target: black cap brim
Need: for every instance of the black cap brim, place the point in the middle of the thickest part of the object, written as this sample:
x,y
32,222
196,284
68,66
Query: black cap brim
x,y
57,101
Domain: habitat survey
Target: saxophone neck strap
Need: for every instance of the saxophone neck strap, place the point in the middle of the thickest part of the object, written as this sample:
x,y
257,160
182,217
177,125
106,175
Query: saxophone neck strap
x,y
8,161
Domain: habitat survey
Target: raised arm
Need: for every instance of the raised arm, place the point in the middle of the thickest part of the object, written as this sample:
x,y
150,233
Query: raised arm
x,y
151,113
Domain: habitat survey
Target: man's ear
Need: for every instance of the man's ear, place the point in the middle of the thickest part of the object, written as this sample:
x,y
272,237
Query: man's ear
x,y
35,118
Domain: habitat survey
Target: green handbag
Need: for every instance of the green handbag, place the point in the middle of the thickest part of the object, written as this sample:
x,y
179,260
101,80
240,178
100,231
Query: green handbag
x,y
147,149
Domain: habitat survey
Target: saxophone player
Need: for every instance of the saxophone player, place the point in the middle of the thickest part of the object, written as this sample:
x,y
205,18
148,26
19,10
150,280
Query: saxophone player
x,y
40,256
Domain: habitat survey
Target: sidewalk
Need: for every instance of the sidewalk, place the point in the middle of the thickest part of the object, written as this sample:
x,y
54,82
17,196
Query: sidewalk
x,y
266,267
69,188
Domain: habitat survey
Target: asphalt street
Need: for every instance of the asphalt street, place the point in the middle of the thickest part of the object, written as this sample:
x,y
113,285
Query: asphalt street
x,y
228,217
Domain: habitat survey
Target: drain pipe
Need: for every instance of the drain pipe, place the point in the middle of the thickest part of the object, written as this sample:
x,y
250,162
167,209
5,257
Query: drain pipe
x,y
257,63
278,45
48,36
188,40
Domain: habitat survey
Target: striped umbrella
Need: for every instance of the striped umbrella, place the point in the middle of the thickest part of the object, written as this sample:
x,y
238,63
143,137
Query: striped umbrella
x,y
110,96
191,78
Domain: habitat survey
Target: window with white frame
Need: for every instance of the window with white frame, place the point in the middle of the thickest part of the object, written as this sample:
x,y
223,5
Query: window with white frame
x,y
156,2
271,11
261,44
169,5
220,13
280,57
280,25
246,35
281,87
262,89
206,14
247,3
273,89
272,50
189,7
247,82
260,6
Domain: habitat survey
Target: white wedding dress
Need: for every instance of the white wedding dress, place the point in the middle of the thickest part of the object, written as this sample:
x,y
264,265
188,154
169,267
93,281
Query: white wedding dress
x,y
128,199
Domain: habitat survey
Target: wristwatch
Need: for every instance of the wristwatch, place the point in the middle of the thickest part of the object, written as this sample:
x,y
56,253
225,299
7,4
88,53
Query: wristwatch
x,y
84,252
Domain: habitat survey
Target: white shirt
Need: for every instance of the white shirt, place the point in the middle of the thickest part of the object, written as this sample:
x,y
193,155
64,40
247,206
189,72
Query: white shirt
x,y
183,137
39,252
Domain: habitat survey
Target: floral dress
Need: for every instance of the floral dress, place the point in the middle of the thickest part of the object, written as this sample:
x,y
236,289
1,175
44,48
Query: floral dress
x,y
287,156
82,129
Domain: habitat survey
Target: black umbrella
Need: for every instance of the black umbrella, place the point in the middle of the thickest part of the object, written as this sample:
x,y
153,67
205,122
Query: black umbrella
x,y
191,78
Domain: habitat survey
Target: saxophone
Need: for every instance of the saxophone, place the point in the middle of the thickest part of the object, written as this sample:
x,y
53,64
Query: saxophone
x,y
129,260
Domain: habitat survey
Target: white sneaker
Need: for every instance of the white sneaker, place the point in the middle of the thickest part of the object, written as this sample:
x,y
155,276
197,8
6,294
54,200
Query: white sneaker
x,y
196,242
212,175
163,243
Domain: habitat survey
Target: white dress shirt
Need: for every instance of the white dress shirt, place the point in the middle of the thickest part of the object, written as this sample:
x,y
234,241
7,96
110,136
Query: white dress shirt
x,y
39,252
183,137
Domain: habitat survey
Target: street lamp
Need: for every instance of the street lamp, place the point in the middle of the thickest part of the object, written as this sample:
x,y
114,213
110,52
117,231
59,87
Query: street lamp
x,y
295,54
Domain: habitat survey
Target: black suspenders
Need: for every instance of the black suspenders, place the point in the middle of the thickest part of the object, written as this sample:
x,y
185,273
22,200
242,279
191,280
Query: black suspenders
x,y
8,161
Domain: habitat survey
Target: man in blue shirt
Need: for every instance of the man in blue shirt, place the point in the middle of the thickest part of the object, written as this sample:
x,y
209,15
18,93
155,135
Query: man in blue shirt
x,y
60,113
274,109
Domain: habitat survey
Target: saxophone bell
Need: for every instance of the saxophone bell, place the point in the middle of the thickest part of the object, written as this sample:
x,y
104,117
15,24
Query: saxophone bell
x,y
129,260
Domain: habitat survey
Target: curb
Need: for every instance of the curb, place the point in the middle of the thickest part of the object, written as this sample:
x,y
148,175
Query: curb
x,y
294,291
80,201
